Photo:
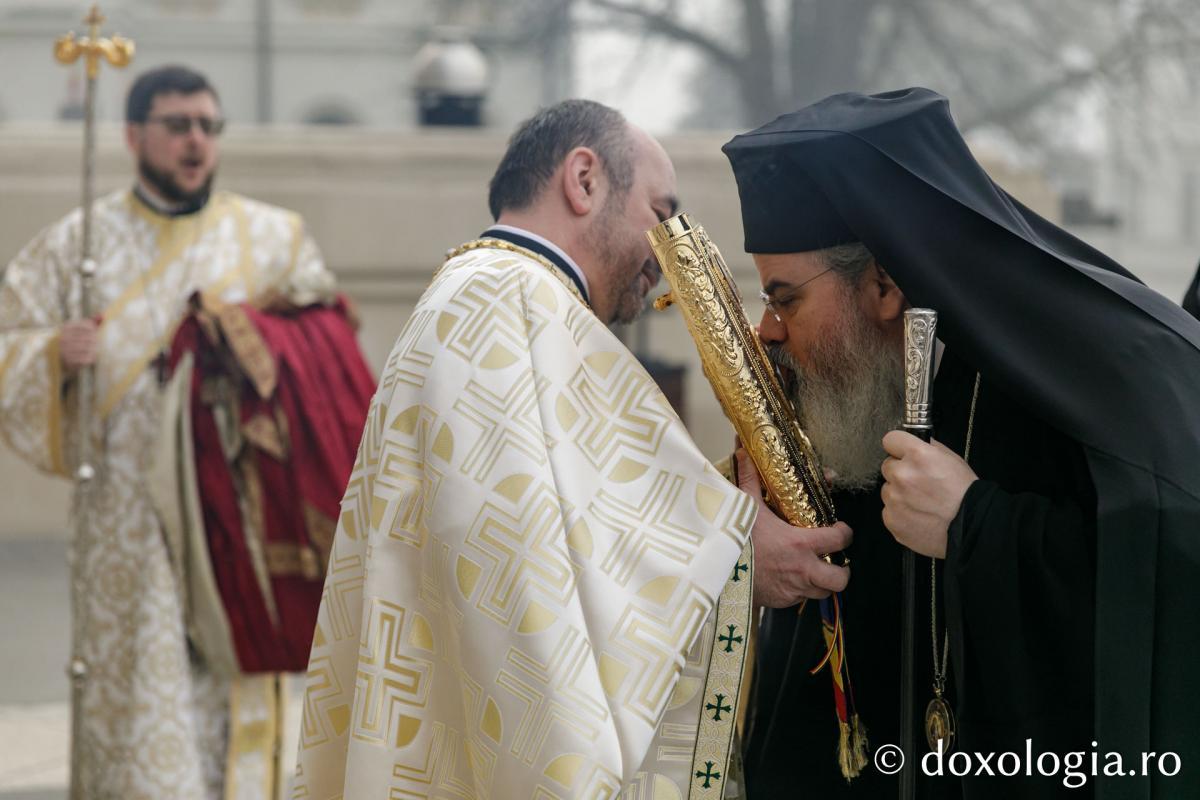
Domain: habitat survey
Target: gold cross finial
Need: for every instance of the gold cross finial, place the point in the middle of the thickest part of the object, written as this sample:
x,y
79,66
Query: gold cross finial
x,y
117,51
94,20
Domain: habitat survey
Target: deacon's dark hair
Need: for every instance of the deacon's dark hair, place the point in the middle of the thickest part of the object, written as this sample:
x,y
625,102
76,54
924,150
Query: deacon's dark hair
x,y
543,141
163,80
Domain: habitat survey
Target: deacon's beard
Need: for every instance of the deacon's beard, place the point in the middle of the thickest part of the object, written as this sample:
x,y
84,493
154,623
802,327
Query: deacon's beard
x,y
848,399
169,189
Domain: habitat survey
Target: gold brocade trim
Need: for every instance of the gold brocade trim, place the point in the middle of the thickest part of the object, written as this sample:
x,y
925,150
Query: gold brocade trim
x,y
54,414
246,263
250,503
136,367
500,244
297,242
169,253
263,432
292,560
321,530
751,654
139,208
250,349
211,294
308,561
720,707
256,735
54,410
210,302
211,308
729,471
173,238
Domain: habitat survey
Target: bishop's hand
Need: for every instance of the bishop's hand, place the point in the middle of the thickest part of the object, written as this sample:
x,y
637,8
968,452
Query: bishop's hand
x,y
924,484
788,566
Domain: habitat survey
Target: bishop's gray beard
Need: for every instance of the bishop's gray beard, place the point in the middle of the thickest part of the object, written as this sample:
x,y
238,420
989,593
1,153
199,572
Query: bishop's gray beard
x,y
847,400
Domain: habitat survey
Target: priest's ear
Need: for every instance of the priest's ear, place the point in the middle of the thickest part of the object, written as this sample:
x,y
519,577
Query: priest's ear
x,y
583,180
884,295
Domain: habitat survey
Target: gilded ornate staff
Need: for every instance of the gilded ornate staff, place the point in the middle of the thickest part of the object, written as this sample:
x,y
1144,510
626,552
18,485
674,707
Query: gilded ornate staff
x,y
749,391
741,374
118,52
920,326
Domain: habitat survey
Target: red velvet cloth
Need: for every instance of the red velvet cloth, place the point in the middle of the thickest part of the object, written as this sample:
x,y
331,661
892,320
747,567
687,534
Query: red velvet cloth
x,y
322,391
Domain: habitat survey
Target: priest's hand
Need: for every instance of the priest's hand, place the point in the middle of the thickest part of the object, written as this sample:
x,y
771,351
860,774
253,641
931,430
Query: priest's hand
x,y
788,566
923,487
77,343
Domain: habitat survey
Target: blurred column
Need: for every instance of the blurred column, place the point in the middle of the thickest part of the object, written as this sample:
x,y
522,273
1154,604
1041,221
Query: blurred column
x,y
557,50
263,60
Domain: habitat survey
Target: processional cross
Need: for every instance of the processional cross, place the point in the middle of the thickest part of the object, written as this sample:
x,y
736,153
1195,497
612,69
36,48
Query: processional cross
x,y
117,51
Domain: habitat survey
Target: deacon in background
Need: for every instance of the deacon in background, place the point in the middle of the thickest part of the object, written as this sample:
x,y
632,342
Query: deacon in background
x,y
203,572
1058,509
531,543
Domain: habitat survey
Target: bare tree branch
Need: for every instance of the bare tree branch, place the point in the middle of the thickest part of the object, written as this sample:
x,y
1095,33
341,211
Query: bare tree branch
x,y
657,22
1126,49
1009,58
887,50
760,86
1049,48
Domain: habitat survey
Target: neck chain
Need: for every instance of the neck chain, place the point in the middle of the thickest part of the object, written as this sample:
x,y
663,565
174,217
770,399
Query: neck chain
x,y
939,718
501,244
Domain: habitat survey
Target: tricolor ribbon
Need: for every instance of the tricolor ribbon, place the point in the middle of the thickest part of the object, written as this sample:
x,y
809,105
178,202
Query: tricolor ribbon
x,y
852,734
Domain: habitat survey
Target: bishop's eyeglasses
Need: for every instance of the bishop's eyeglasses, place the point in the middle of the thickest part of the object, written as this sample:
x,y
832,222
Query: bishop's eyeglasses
x,y
778,306
181,124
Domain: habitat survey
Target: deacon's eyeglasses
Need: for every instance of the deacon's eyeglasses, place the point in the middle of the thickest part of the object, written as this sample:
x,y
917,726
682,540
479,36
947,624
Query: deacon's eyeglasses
x,y
181,124
778,306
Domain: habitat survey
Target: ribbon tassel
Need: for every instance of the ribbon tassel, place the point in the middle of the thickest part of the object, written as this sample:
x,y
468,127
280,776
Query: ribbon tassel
x,y
852,734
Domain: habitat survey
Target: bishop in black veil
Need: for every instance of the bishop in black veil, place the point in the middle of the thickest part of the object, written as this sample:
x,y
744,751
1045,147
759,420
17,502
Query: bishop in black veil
x,y
1068,577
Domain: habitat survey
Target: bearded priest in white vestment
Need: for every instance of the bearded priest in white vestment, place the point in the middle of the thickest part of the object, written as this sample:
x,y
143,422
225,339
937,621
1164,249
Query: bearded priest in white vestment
x,y
156,717
539,587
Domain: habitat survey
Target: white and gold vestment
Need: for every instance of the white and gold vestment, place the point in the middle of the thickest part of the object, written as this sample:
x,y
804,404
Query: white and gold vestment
x,y
155,718
529,547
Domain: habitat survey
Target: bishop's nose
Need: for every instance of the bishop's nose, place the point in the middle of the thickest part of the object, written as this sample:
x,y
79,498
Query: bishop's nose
x,y
771,330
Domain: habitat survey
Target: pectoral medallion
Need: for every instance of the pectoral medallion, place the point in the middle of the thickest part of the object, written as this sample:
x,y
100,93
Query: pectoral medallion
x,y
939,724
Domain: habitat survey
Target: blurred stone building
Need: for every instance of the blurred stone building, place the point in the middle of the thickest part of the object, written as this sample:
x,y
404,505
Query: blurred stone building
x,y
289,61
385,197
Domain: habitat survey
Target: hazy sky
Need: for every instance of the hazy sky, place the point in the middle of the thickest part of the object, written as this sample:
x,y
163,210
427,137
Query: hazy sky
x,y
648,80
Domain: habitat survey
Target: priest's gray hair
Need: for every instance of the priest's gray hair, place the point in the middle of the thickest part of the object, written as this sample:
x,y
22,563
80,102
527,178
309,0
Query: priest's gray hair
x,y
850,261
543,141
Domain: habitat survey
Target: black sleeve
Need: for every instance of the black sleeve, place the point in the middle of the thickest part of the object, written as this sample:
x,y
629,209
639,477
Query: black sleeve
x,y
1191,300
1019,599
